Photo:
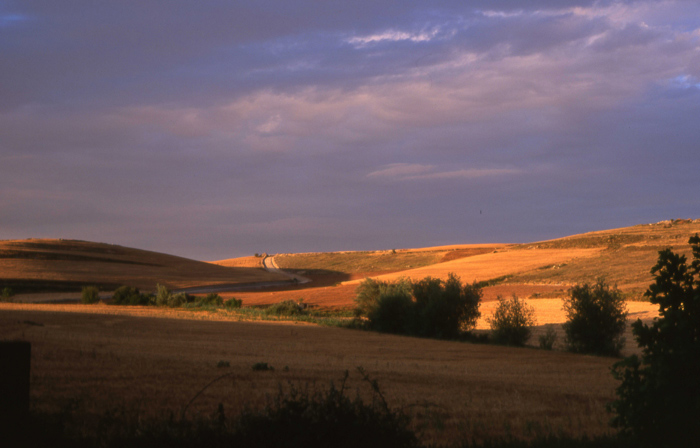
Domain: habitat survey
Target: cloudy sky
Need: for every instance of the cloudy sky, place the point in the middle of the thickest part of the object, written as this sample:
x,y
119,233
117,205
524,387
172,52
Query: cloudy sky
x,y
214,129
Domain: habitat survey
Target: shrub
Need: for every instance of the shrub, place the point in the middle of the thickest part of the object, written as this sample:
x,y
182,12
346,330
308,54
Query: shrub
x,y
658,400
90,294
511,321
163,295
262,367
233,303
430,307
301,417
548,339
393,313
7,294
596,319
445,309
370,290
129,295
211,299
286,308
179,299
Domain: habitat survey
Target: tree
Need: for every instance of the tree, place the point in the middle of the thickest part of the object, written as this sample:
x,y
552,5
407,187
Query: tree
x,y
658,400
444,309
511,321
430,307
596,319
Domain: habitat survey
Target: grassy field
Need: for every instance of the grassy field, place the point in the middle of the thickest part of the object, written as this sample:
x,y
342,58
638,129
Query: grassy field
x,y
149,364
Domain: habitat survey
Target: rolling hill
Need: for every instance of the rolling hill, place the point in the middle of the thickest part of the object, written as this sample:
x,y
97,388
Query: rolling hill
x,y
37,265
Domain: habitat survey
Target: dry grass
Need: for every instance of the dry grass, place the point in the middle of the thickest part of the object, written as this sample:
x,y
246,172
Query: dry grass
x,y
379,261
152,364
241,262
77,262
495,264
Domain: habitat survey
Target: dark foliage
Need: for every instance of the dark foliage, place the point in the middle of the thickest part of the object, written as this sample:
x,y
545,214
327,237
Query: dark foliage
x,y
658,400
596,319
129,295
233,303
430,307
90,294
511,321
286,308
445,309
300,417
211,299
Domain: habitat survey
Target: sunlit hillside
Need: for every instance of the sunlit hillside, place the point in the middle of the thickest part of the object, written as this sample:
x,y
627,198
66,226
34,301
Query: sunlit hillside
x,y
65,265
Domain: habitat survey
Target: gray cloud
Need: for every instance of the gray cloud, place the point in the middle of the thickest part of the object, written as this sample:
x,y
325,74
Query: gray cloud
x,y
216,129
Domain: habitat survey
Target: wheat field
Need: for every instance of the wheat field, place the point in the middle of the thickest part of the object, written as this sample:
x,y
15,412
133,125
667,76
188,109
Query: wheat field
x,y
147,363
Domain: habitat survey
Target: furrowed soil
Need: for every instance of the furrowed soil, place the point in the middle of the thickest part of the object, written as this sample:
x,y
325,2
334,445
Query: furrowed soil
x,y
154,362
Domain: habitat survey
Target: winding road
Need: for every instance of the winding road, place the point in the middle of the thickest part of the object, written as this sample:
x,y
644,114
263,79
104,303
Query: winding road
x,y
270,265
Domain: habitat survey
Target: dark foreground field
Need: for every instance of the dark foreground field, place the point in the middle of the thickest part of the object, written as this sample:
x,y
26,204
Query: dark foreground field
x,y
142,367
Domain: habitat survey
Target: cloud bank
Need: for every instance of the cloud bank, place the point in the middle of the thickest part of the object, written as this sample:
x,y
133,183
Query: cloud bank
x,y
219,129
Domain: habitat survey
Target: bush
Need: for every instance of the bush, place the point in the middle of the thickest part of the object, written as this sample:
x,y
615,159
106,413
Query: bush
x,y
444,309
90,294
129,295
163,295
179,299
659,397
211,299
301,417
286,308
430,307
596,319
370,290
233,303
548,339
393,313
511,321
7,294
262,367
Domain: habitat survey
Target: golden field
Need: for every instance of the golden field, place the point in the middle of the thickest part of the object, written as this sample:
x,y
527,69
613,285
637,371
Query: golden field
x,y
151,361
98,358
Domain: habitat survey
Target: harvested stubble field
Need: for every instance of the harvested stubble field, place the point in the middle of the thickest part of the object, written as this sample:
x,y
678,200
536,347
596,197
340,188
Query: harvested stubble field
x,y
149,366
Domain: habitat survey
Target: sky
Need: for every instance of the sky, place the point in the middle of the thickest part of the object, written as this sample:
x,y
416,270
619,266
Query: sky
x,y
215,129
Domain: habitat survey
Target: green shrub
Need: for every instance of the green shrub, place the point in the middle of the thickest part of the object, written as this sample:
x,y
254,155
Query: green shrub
x,y
211,299
394,312
596,319
658,400
445,309
179,299
370,290
511,321
129,295
90,294
286,308
430,307
163,295
548,339
7,293
233,303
